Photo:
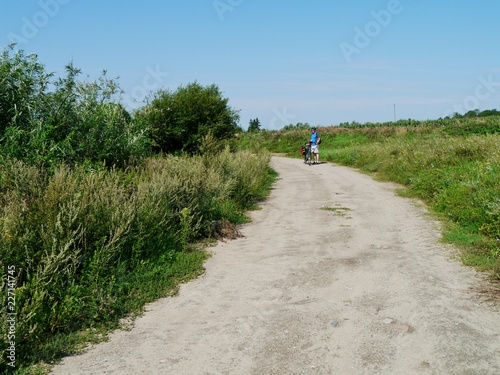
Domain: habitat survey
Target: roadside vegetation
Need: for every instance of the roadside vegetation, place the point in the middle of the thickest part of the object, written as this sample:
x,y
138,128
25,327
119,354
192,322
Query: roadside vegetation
x,y
102,210
452,164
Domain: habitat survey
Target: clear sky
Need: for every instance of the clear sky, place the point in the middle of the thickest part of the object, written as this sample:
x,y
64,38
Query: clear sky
x,y
282,61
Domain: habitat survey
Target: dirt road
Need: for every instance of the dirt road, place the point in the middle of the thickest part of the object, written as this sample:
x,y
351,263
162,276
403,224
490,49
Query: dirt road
x,y
336,275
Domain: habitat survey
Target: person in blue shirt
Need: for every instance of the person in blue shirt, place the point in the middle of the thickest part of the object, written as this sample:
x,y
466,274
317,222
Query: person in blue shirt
x,y
315,141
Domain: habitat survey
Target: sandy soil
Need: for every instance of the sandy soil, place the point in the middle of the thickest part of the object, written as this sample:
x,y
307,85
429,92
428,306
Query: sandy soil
x,y
361,287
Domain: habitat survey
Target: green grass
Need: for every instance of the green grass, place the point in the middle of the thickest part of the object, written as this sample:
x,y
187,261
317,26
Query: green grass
x,y
337,211
91,248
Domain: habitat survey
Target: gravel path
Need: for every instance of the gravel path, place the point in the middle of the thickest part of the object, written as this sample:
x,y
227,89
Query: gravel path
x,y
335,275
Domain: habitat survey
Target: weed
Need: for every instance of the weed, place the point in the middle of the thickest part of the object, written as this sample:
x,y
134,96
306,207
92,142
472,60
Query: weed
x,y
337,211
91,247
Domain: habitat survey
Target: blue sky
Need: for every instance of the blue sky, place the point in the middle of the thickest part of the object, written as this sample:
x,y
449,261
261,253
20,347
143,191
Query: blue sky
x,y
318,61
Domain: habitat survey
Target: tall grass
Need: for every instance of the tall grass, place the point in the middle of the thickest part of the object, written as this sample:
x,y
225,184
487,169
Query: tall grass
x,y
457,176
90,248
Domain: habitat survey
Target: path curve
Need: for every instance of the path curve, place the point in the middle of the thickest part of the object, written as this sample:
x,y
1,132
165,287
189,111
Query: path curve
x,y
362,286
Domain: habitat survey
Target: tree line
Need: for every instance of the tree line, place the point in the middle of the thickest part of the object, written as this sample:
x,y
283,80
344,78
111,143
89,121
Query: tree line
x,y
47,120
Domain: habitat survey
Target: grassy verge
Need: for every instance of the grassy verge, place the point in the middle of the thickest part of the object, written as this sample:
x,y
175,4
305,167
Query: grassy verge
x,y
456,176
85,249
454,168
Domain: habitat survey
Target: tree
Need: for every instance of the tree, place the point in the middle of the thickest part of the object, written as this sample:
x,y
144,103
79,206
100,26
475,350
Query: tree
x,y
178,121
23,81
75,122
472,113
297,126
254,125
489,112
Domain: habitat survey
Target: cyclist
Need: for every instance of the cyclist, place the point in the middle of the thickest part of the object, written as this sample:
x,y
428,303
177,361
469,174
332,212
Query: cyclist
x,y
315,141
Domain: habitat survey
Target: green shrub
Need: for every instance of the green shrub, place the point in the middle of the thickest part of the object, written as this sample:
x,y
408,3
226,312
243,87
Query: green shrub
x,y
75,123
90,247
179,120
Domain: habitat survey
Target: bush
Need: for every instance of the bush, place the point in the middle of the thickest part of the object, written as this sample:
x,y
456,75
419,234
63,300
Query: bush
x,y
179,120
23,81
76,123
90,247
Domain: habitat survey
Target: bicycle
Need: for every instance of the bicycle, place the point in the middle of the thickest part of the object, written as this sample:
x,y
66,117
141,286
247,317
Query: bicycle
x,y
306,151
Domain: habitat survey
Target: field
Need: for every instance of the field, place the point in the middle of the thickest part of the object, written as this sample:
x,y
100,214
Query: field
x,y
102,211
